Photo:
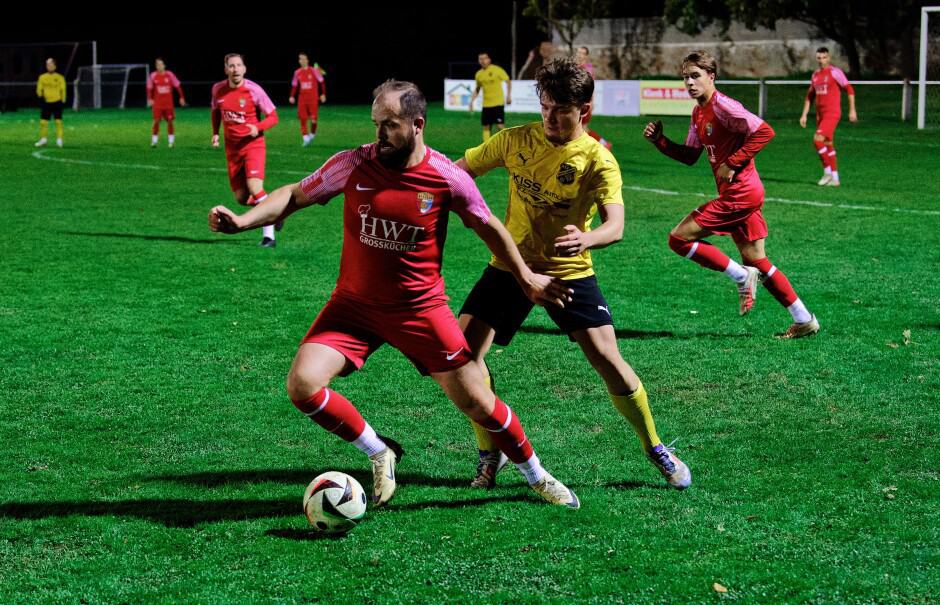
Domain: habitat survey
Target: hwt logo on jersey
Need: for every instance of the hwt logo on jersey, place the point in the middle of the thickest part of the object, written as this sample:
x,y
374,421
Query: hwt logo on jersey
x,y
387,234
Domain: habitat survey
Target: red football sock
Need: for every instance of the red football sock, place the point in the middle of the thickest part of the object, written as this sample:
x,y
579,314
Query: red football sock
x,y
831,157
507,433
701,252
313,127
775,281
823,152
303,127
333,412
169,127
156,127
257,198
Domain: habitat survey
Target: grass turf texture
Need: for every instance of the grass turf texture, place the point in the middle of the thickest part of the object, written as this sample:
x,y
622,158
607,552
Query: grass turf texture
x,y
151,454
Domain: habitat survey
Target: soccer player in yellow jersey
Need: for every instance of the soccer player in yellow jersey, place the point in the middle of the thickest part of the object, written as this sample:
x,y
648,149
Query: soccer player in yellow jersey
x,y
560,178
490,80
51,89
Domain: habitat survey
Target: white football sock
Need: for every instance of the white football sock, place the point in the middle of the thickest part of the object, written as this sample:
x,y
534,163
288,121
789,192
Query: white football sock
x,y
835,175
532,469
267,231
153,139
827,170
799,313
736,271
171,138
368,442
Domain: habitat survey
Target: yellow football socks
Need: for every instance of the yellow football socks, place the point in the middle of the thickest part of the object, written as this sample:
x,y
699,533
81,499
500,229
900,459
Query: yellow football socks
x,y
635,408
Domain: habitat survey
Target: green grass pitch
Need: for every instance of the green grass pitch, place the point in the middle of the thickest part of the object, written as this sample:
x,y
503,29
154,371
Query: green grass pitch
x,y
150,453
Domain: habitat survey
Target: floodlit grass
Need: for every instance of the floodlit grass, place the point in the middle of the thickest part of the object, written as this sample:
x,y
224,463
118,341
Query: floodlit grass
x,y
150,452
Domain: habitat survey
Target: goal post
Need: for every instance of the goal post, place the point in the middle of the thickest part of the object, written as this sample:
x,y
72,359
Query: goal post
x,y
929,67
98,86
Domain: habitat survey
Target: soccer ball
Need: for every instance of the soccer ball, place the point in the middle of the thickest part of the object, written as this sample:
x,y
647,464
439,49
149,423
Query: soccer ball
x,y
334,503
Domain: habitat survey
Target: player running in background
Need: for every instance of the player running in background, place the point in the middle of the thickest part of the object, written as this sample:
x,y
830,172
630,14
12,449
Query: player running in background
x,y
826,89
732,136
583,59
160,97
237,104
398,196
50,88
310,83
559,178
489,79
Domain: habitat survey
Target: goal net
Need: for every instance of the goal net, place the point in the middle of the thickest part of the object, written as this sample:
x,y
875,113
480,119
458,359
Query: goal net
x,y
112,85
928,86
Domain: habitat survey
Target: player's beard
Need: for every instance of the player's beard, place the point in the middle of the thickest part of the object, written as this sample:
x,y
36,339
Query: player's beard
x,y
396,157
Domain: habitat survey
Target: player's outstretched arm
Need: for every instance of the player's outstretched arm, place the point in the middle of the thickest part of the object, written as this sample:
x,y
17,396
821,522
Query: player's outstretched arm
x,y
575,241
540,289
279,204
681,153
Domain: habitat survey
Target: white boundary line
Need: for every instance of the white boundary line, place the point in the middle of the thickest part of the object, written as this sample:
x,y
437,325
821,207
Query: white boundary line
x,y
40,155
781,200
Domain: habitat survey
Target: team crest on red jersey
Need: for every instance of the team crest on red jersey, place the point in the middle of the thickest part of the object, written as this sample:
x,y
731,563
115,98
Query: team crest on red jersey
x,y
425,201
708,129
241,102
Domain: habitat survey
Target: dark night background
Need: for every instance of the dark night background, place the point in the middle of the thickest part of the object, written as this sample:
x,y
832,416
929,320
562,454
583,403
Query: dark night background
x,y
359,46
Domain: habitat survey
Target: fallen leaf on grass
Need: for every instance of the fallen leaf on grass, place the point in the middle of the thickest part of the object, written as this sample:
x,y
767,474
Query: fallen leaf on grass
x,y
907,338
719,588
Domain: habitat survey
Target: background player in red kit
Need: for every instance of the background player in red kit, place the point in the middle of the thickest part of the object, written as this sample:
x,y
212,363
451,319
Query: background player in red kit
x,y
398,196
312,86
826,88
732,137
160,96
237,103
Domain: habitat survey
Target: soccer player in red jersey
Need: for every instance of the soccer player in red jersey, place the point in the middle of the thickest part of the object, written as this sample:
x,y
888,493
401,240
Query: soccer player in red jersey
x,y
732,136
312,86
237,103
398,196
826,88
160,97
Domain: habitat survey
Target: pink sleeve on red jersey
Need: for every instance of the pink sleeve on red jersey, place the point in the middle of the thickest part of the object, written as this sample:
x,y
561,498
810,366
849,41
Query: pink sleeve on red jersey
x,y
691,139
150,81
839,76
261,98
734,117
329,179
468,202
293,82
318,74
174,81
215,92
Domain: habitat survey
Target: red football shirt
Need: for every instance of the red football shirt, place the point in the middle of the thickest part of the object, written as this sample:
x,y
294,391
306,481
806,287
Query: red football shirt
x,y
826,88
721,127
394,222
160,89
239,107
308,80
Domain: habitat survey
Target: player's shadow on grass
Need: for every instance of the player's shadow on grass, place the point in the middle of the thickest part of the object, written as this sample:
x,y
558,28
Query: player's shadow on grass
x,y
157,238
620,333
299,477
632,485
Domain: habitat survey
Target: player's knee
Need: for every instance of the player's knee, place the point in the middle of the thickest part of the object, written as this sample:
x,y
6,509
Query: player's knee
x,y
302,385
819,138
678,245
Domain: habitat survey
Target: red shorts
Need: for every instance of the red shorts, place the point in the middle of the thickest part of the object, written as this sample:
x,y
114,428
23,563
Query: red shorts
x,y
163,113
826,124
307,108
735,212
428,335
244,162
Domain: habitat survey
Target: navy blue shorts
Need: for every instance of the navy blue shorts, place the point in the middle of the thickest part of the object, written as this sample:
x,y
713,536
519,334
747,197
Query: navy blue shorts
x,y
498,300
493,115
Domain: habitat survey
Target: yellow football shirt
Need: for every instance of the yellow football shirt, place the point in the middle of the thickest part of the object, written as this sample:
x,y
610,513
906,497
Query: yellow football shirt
x,y
490,80
51,87
550,186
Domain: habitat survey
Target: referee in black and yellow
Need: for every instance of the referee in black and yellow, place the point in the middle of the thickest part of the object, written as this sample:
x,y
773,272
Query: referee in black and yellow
x,y
51,90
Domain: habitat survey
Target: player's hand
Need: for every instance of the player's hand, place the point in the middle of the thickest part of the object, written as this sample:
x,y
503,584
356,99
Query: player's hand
x,y
853,117
544,290
508,99
253,130
653,131
291,100
149,103
323,98
725,173
573,243
183,103
215,141
803,121
223,220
